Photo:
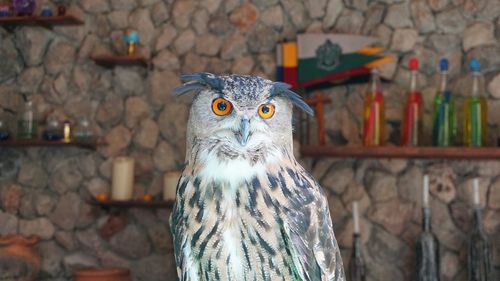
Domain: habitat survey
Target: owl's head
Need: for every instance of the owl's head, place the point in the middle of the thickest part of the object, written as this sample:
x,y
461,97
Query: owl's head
x,y
241,112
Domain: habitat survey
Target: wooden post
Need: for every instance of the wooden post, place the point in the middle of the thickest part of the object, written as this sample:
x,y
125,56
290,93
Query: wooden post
x,y
318,101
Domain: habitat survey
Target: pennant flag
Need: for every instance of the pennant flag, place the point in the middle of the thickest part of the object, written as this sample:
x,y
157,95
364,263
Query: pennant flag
x,y
290,75
328,57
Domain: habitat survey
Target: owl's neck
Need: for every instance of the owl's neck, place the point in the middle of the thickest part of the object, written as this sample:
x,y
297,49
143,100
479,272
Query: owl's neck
x,y
219,161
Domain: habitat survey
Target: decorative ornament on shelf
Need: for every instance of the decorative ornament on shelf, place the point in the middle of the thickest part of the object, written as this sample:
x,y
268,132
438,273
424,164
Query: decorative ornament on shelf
x,y
412,118
46,11
131,39
4,10
444,116
357,268
24,7
476,109
53,130
27,122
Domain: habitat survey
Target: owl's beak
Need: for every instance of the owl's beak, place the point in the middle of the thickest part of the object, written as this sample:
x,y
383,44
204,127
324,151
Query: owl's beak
x,y
244,131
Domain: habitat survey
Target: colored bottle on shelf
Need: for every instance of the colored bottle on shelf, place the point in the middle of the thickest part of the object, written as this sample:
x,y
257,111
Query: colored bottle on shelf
x,y
479,258
475,110
444,116
27,123
427,246
357,269
411,134
374,113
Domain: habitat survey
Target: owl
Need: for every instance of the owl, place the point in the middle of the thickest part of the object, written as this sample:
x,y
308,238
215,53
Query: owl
x,y
245,209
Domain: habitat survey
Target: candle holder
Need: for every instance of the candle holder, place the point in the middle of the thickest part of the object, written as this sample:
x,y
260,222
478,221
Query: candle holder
x,y
131,39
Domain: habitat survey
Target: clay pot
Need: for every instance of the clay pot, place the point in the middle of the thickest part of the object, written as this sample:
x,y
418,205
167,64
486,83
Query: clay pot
x,y
20,261
103,274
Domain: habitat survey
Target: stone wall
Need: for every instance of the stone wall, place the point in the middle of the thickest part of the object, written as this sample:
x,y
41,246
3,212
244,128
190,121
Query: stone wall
x,y
42,189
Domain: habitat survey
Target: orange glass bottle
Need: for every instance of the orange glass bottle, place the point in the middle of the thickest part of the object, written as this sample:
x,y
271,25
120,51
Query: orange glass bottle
x,y
374,113
412,118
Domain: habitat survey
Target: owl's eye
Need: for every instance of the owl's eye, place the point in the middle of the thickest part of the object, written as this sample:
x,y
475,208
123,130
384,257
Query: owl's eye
x,y
221,107
266,111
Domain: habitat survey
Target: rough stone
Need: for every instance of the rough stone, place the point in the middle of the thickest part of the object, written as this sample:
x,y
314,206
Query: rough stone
x,y
494,195
356,192
273,17
136,109
200,22
386,248
166,37
374,16
410,185
162,84
337,179
182,13
10,66
398,16
117,139
66,239
10,198
77,261
394,166
447,233
95,6
164,157
333,10
393,215
404,39
44,203
422,16
243,65
450,21
30,79
67,176
166,60
438,5
33,175
33,43
110,111
449,265
494,87
118,19
316,8
60,57
384,33
8,223
174,129
66,212
262,39
89,240
244,16
159,13
51,255
208,45
477,34
140,19
184,42
441,182
155,268
350,21
233,47
382,187
131,242
126,5
41,227
147,135
128,81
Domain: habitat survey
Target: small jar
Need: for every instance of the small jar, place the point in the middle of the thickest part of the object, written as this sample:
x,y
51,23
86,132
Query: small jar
x,y
53,130
27,122
82,130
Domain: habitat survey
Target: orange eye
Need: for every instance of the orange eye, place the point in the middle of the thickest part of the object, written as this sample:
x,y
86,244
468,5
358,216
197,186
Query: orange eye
x,y
266,111
221,107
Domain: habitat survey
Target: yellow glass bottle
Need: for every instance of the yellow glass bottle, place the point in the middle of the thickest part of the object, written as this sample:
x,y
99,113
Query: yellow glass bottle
x,y
374,113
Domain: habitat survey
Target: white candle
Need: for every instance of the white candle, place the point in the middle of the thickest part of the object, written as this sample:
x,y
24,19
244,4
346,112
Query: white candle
x,y
170,181
425,192
475,185
355,216
123,178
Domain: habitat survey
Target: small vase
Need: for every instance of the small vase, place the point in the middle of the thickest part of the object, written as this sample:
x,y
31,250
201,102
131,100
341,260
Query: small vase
x,y
103,274
18,258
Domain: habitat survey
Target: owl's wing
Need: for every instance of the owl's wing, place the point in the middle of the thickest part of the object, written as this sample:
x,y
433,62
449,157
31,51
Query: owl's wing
x,y
186,268
308,229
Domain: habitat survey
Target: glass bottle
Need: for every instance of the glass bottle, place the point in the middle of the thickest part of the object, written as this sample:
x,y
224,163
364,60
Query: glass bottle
x,y
479,257
27,123
475,110
357,269
412,118
444,115
374,113
53,130
427,246
82,130
4,130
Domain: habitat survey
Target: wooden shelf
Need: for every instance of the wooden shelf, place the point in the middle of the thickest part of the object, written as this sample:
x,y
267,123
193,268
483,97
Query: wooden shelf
x,y
131,204
38,20
123,60
465,153
91,144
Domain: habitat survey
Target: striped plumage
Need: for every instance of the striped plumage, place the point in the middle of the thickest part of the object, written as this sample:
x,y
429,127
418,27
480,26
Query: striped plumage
x,y
249,211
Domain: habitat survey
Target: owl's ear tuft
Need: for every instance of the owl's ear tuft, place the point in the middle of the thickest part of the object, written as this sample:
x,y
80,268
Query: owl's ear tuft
x,y
283,90
199,81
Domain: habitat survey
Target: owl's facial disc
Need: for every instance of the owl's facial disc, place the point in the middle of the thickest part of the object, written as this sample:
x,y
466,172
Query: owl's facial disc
x,y
244,131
